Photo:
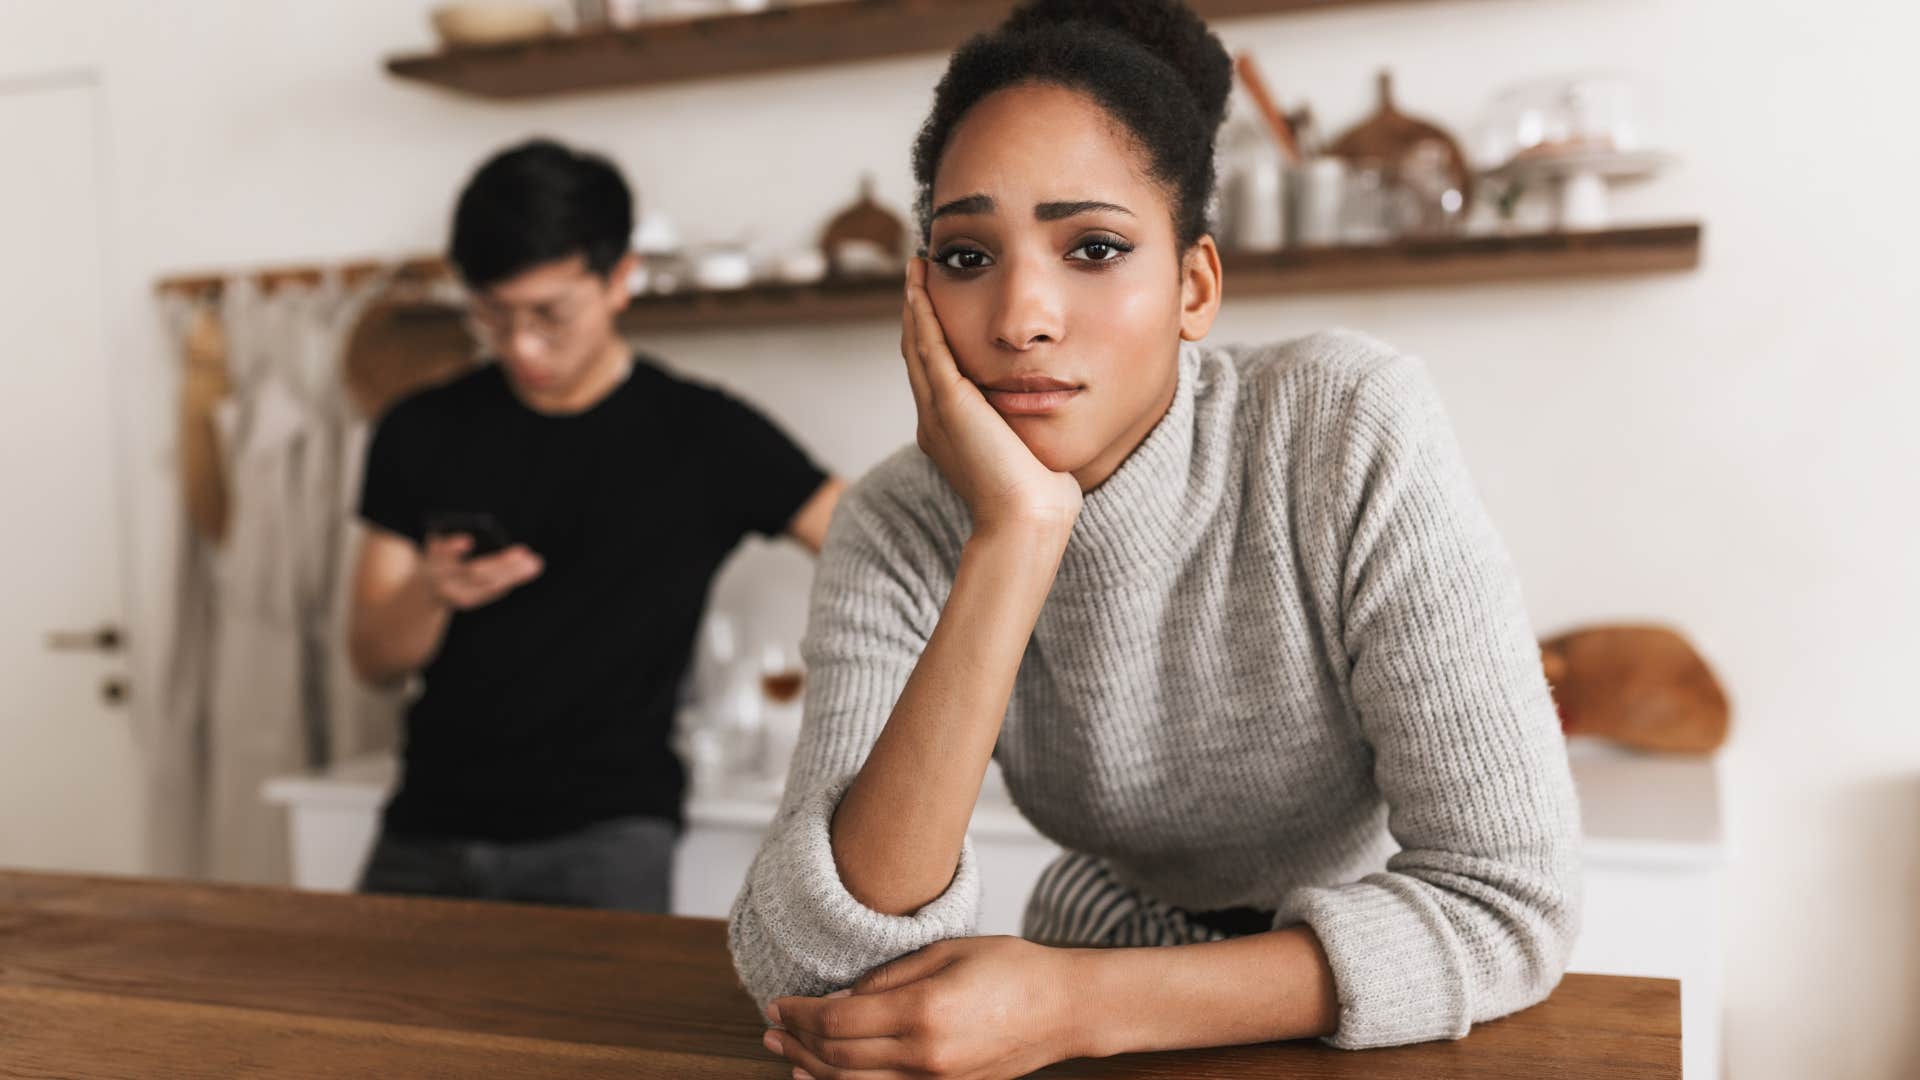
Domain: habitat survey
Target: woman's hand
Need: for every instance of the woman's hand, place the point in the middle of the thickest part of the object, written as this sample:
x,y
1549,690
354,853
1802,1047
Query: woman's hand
x,y
976,1008
975,449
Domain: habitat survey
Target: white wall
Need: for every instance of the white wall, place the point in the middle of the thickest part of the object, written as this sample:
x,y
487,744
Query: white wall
x,y
1726,450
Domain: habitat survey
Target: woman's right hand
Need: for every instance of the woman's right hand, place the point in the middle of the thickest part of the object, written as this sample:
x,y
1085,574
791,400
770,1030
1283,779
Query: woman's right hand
x,y
971,443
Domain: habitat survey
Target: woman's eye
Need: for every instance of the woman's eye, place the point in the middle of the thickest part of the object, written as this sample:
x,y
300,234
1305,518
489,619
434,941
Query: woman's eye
x,y
1099,251
963,259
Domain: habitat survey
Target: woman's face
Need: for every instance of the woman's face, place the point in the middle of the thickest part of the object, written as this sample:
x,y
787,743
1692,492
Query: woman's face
x,y
1057,276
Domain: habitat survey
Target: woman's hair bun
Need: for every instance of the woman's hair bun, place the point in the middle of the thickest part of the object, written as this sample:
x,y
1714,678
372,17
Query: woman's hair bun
x,y
1168,29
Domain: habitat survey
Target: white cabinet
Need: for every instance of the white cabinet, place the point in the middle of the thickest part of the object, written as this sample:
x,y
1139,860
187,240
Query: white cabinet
x,y
724,829
1655,857
334,815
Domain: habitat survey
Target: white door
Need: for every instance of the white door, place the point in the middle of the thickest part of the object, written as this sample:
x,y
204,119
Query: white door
x,y
70,782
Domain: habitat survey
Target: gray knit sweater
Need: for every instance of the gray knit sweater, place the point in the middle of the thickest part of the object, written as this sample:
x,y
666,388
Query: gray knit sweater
x,y
1284,665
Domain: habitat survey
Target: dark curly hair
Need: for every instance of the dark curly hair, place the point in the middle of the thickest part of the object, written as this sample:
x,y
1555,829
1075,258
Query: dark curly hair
x,y
1152,64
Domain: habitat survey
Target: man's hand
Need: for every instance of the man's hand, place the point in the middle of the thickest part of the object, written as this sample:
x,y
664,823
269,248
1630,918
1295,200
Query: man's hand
x,y
464,584
988,1008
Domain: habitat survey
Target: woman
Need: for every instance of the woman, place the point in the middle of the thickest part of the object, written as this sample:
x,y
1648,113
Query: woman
x,y
1232,620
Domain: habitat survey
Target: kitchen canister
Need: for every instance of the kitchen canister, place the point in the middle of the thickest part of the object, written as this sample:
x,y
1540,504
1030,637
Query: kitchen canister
x,y
1320,196
1253,213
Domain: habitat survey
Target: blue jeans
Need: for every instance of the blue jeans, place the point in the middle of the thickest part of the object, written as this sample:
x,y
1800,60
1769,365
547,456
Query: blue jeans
x,y
625,864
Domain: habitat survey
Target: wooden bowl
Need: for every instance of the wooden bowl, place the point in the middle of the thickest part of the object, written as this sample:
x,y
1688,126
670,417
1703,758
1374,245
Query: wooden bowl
x,y
491,22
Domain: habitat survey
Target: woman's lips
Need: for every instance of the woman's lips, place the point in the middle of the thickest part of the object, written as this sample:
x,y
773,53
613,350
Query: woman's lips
x,y
1029,395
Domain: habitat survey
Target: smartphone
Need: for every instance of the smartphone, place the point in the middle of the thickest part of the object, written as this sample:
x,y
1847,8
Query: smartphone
x,y
489,536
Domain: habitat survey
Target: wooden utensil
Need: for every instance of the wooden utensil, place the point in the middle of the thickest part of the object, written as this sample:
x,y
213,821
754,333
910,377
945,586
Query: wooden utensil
x,y
1277,122
865,239
1640,686
399,347
206,383
1389,138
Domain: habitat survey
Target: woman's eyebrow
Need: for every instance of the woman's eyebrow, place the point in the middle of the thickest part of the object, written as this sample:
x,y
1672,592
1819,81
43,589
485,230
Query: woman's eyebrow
x,y
1060,211
970,204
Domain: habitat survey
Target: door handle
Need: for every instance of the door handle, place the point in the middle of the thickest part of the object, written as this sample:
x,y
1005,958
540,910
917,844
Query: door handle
x,y
107,639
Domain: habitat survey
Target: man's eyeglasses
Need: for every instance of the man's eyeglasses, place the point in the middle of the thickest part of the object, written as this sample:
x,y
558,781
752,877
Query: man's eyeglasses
x,y
495,324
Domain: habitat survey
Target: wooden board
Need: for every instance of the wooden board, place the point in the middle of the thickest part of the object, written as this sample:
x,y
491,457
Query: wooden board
x,y
126,978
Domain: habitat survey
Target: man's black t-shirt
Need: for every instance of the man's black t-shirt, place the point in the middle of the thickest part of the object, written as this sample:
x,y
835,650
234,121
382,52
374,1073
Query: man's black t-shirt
x,y
551,709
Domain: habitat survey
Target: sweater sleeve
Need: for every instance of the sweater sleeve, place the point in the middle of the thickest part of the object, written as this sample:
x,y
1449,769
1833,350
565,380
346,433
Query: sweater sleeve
x,y
794,928
1475,915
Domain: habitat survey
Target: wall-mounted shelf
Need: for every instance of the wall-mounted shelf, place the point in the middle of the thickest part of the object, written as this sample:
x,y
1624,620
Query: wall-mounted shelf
x,y
778,39
1412,263
1467,260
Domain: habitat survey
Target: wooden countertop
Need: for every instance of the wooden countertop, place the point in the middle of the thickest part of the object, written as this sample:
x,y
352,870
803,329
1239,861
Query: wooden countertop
x,y
147,980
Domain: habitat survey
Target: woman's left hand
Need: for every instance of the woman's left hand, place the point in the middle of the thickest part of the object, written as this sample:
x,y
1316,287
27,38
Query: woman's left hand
x,y
977,1008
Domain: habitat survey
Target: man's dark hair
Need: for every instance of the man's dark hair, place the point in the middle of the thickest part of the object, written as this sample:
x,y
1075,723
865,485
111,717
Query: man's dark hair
x,y
536,203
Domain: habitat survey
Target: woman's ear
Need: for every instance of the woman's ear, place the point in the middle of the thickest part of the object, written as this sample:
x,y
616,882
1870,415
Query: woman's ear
x,y
1200,282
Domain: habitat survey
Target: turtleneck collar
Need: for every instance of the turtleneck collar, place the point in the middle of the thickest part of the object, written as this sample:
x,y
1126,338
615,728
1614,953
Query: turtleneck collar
x,y
1149,513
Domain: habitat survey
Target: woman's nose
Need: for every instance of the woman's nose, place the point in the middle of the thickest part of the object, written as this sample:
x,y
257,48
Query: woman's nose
x,y
1029,310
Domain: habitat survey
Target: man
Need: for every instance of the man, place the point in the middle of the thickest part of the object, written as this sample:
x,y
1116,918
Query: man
x,y
543,532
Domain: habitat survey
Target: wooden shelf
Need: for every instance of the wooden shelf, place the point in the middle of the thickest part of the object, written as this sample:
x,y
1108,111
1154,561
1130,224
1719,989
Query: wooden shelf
x,y
1646,249
1467,260
1413,263
778,39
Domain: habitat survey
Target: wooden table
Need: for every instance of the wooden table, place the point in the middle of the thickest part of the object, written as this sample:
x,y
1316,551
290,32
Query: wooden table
x,y
147,980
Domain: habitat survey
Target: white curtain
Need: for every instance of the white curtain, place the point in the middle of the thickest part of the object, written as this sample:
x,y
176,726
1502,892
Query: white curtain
x,y
260,682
